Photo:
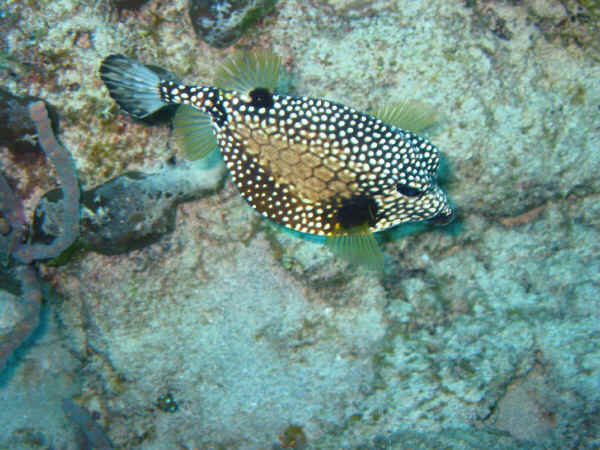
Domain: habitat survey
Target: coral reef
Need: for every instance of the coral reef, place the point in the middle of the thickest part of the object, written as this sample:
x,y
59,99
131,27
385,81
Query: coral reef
x,y
15,330
92,435
137,209
569,21
18,131
221,23
61,159
484,334
25,253
127,4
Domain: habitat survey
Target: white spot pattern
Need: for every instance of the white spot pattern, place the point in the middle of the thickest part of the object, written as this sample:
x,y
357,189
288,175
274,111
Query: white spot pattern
x,y
350,154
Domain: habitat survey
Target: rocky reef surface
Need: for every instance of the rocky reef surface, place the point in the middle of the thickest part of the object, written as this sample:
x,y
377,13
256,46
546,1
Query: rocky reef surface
x,y
215,329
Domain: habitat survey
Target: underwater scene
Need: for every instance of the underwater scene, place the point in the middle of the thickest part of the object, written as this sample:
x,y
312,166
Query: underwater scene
x,y
319,224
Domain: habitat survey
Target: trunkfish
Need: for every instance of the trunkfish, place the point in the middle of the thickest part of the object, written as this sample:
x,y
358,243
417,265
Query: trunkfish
x,y
308,164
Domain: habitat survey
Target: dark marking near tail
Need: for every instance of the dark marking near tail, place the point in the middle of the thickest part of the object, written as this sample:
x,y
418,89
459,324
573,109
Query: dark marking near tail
x,y
163,116
261,98
357,211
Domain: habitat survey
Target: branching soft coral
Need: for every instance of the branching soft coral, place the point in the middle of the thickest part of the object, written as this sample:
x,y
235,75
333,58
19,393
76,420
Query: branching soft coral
x,y
14,246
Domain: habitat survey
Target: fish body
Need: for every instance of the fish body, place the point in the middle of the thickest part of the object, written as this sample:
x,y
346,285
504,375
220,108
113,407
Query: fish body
x,y
308,164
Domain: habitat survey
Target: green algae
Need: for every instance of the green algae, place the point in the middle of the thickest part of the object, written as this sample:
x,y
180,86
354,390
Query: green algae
x,y
293,437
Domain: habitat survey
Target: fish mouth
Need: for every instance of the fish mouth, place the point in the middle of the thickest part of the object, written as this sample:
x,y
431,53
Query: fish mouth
x,y
444,217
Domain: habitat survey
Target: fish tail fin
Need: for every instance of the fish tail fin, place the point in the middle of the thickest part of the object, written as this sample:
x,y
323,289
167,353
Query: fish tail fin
x,y
134,86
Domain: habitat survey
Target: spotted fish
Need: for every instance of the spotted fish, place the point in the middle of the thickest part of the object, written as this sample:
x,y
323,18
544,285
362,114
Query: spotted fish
x,y
309,164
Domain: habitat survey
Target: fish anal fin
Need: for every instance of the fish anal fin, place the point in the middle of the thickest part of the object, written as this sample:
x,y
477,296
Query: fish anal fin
x,y
358,246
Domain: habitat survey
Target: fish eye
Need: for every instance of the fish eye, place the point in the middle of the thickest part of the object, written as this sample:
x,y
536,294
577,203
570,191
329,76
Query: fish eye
x,y
407,190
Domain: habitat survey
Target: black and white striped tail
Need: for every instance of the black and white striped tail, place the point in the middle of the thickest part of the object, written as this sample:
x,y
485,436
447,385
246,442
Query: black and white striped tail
x,y
141,90
134,86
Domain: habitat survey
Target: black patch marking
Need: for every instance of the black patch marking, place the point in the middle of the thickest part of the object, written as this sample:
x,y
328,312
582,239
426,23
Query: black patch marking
x,y
405,189
261,98
162,116
357,211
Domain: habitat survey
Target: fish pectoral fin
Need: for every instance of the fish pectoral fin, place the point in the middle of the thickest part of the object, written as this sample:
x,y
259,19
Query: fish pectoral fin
x,y
194,133
245,71
409,115
357,246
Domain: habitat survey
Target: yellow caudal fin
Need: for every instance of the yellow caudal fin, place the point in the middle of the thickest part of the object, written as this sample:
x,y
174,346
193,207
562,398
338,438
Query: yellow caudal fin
x,y
357,246
246,71
409,115
193,129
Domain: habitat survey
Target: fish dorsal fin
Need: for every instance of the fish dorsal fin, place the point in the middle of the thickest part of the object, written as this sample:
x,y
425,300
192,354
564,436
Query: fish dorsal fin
x,y
357,246
245,71
193,129
409,115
